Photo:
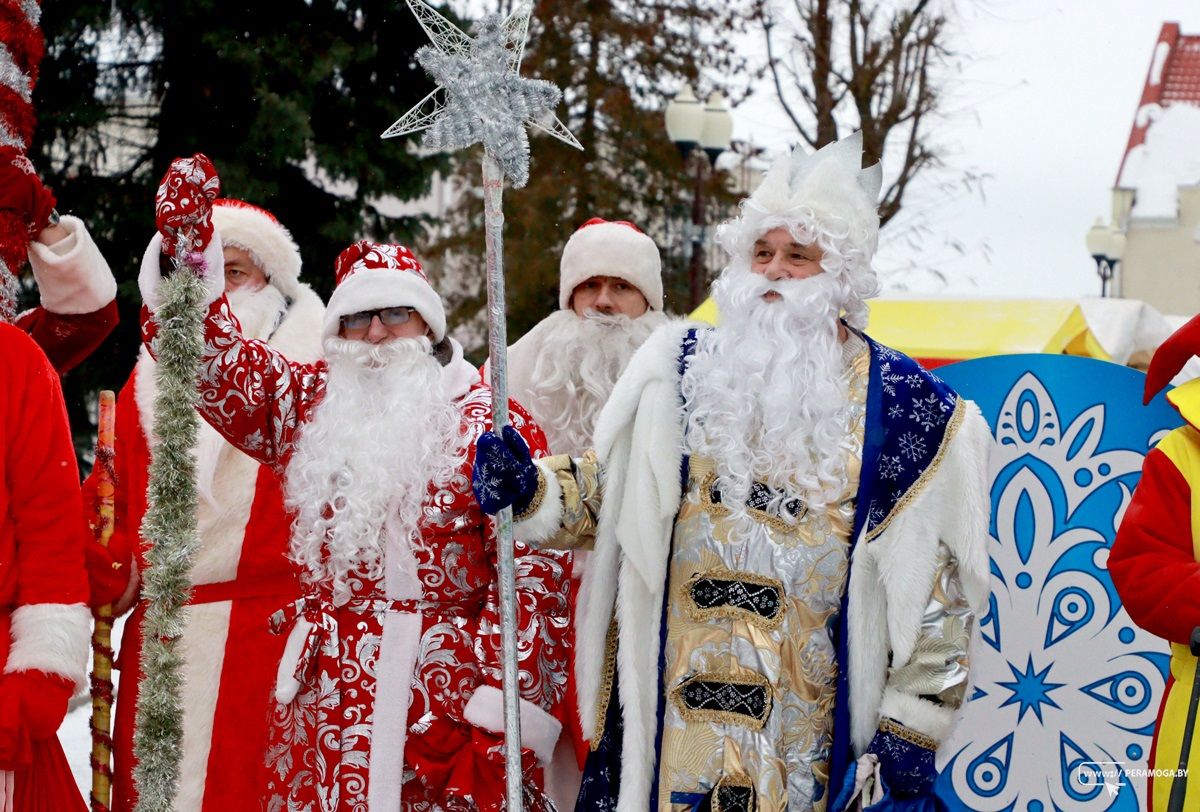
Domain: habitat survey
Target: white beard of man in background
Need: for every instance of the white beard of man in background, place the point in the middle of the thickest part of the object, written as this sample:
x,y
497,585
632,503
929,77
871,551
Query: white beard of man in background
x,y
383,433
580,360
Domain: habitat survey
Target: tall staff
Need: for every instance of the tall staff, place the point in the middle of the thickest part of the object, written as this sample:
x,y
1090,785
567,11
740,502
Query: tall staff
x,y
23,43
102,652
482,99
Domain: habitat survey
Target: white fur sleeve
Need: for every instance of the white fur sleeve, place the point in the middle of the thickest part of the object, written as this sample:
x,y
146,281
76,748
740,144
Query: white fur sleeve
x,y
932,565
72,275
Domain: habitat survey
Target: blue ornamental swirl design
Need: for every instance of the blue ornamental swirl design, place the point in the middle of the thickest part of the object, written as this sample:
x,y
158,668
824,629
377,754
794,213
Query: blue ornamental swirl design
x,y
1065,688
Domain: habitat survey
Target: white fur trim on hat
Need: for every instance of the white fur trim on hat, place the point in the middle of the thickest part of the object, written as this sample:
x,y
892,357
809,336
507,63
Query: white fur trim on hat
x,y
372,288
270,244
611,249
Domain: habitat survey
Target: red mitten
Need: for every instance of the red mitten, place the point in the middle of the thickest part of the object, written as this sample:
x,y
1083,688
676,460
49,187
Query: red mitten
x,y
41,698
183,204
14,738
22,191
108,569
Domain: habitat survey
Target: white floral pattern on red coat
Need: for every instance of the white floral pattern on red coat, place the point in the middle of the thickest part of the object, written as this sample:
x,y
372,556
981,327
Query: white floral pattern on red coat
x,y
320,750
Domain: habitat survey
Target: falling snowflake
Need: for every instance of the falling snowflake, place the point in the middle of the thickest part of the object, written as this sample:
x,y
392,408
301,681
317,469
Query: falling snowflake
x,y
912,446
890,467
930,412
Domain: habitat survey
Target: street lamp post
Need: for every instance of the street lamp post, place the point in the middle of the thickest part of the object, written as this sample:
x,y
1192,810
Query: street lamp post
x,y
701,132
1107,246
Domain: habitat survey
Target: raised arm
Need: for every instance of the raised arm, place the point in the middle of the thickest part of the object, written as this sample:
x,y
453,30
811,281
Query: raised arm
x,y
249,392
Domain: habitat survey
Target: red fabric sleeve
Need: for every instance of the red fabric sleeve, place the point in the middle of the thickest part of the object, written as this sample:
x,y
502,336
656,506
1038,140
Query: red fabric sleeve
x,y
42,480
1152,563
249,391
69,338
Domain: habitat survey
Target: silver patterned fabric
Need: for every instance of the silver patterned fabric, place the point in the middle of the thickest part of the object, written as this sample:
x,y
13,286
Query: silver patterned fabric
x,y
751,669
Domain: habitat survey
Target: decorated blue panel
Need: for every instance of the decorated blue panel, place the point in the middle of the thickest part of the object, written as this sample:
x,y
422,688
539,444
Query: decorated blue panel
x,y
1066,687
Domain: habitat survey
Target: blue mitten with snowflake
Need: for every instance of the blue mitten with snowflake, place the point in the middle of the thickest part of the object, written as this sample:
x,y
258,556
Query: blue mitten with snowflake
x,y
906,761
504,473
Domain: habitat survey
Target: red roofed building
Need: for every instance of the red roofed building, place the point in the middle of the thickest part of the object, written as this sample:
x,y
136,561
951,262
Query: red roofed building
x,y
1156,198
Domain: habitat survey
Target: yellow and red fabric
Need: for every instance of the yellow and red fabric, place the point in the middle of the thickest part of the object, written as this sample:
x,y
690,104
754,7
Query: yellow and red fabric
x,y
1155,565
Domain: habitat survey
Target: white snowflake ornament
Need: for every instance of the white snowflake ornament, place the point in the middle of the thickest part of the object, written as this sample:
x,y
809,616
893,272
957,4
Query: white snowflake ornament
x,y
481,97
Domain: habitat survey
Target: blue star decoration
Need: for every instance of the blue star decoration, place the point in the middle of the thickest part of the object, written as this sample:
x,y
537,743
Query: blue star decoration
x,y
1031,690
481,98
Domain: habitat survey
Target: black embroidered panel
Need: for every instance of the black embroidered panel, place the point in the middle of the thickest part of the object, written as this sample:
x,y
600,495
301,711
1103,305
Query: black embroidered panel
x,y
732,798
726,698
712,593
761,495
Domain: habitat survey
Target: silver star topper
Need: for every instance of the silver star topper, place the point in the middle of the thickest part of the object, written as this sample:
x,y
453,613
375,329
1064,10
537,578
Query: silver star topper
x,y
481,96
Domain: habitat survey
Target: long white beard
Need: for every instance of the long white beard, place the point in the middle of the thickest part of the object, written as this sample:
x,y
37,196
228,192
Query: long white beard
x,y
578,363
766,392
259,313
384,432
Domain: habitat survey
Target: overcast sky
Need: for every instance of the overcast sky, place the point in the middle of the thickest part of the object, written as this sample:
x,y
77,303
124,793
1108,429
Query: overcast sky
x,y
1044,106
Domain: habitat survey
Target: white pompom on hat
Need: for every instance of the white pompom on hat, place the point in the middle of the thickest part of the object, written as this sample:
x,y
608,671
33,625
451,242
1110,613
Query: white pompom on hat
x,y
611,248
371,275
271,247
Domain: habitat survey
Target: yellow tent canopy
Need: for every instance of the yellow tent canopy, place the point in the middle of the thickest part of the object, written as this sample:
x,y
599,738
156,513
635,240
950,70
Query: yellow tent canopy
x,y
940,331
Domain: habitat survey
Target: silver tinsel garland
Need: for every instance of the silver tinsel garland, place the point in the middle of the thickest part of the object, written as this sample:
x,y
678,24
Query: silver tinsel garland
x,y
170,529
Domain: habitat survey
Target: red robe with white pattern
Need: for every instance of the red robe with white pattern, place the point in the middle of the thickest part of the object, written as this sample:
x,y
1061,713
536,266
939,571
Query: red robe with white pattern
x,y
396,698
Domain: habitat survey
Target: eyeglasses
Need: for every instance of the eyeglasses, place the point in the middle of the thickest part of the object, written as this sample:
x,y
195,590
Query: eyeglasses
x,y
390,316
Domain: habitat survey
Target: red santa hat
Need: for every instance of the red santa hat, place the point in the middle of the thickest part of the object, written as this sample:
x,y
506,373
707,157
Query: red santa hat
x,y
253,229
371,275
611,248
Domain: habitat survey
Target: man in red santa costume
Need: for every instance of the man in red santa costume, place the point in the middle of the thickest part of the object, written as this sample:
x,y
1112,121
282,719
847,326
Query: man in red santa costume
x,y
610,299
44,620
241,572
389,690
78,307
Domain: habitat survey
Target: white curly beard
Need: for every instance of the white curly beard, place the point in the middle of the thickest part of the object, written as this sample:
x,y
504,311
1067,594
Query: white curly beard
x,y
384,432
579,360
766,392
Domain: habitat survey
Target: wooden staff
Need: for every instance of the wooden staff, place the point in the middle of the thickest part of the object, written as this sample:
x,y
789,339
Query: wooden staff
x,y
102,653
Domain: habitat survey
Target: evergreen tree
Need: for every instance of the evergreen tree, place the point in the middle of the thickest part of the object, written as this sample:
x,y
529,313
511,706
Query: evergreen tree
x,y
288,99
616,61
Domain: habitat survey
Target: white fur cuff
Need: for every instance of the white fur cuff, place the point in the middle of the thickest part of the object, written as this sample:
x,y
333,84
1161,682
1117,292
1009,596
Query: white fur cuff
x,y
150,276
919,714
51,637
539,730
546,520
77,280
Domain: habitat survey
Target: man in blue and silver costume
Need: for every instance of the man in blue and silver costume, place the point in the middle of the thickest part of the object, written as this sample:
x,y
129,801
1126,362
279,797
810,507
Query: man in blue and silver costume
x,y
788,523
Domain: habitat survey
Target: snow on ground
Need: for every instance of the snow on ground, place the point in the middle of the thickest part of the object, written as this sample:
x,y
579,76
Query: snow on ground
x,y
74,734
1168,160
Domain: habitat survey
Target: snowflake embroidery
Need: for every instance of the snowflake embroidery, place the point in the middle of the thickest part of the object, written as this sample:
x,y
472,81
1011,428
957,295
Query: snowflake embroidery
x,y
930,412
912,446
896,411
890,467
913,380
889,379
876,514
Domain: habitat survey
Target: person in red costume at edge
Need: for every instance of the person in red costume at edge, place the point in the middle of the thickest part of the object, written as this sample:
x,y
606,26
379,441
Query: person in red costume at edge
x,y
78,306
44,620
389,689
240,571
